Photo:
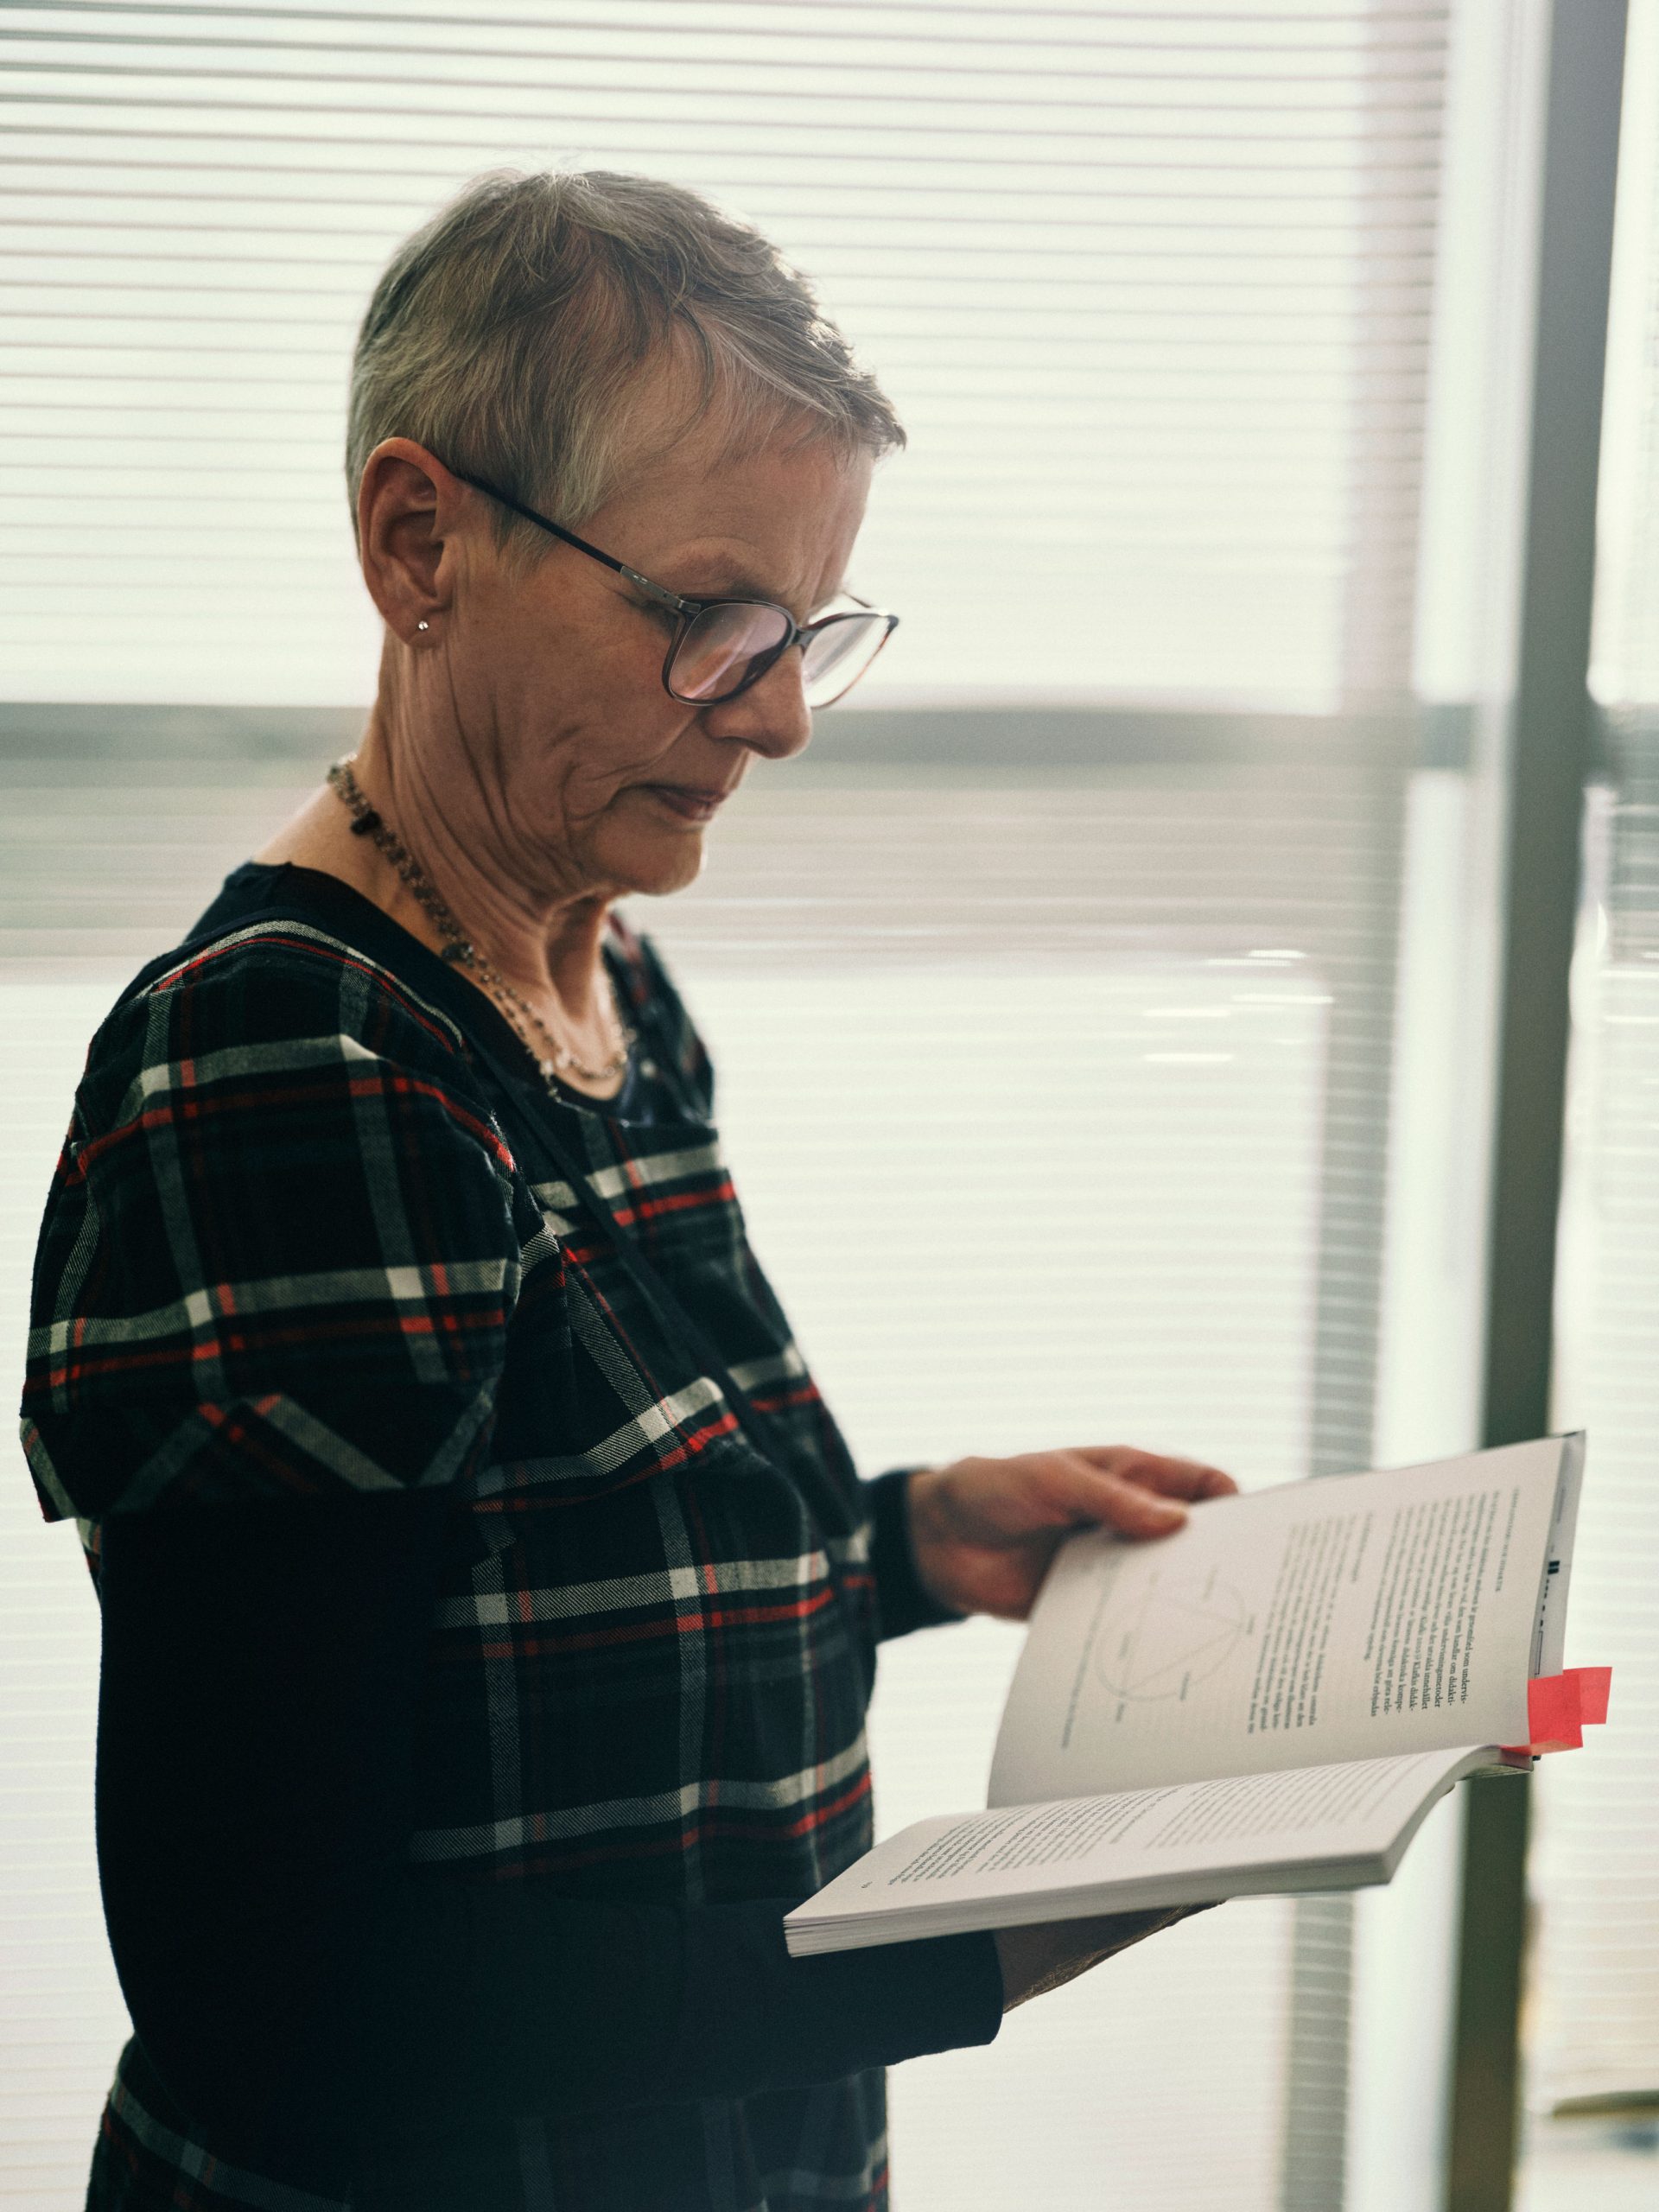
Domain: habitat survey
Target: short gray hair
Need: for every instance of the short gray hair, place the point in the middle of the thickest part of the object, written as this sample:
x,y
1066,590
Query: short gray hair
x,y
513,333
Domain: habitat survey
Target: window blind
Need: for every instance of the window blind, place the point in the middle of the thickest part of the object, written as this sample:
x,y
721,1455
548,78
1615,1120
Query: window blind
x,y
1114,1034
1150,285
1596,2040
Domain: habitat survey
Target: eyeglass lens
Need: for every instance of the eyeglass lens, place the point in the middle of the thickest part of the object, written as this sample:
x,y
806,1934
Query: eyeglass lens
x,y
835,657
720,647
733,643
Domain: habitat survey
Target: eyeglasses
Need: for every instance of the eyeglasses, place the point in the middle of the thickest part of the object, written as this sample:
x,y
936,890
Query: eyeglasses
x,y
722,646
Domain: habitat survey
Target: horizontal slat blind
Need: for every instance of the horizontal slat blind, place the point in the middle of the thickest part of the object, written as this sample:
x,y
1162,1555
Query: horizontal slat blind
x,y
61,2018
1090,1057
1625,665
1151,286
1597,1873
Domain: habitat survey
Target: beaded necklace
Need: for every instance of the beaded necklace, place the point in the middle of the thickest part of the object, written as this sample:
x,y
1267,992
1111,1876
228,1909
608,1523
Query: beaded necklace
x,y
458,950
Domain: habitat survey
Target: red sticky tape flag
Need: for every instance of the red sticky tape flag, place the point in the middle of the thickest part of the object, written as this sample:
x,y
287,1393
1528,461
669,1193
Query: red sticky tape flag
x,y
1595,1683
1561,1707
1554,1715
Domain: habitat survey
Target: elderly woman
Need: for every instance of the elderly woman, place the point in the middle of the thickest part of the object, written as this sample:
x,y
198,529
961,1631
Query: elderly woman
x,y
490,1605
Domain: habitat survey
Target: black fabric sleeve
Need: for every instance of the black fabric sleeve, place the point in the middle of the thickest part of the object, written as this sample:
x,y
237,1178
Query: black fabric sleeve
x,y
294,1983
903,1603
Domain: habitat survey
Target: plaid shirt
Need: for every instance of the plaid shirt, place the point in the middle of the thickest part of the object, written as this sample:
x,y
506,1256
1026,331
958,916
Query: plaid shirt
x,y
300,1242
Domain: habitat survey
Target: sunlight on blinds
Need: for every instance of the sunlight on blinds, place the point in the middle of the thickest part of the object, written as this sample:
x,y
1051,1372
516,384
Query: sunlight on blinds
x,y
1151,288
1597,2027
1112,1040
1626,665
1598,2023
1040,1280
62,2020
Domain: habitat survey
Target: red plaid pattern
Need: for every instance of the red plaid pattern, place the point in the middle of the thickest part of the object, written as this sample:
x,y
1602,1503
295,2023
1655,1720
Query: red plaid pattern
x,y
291,1247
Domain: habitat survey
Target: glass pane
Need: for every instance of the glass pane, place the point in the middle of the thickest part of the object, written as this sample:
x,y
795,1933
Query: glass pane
x,y
1122,1032
1593,2047
1092,1064
1151,288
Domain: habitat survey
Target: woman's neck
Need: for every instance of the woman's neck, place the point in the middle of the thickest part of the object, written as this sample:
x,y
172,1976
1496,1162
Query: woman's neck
x,y
548,952
544,946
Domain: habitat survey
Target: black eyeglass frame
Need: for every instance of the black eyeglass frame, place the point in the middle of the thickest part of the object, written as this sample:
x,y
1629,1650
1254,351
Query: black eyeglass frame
x,y
687,610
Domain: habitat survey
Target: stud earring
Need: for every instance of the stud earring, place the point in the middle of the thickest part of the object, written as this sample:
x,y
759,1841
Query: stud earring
x,y
422,626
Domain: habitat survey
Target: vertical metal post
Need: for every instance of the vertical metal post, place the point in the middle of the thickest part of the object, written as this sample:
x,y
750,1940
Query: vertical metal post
x,y
1549,759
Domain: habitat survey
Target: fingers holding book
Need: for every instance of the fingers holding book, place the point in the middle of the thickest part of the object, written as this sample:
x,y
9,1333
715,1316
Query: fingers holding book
x,y
984,1530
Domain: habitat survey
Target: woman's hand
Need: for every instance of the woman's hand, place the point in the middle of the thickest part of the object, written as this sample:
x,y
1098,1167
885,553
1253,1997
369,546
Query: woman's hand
x,y
983,1531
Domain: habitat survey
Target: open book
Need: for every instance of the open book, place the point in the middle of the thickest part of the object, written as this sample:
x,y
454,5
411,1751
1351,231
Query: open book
x,y
1268,1700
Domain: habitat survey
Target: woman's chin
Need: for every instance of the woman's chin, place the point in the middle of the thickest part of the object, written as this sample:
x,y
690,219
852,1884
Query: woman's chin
x,y
656,867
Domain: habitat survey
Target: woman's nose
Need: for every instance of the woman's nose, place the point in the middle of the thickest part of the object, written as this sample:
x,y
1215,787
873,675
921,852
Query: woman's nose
x,y
771,717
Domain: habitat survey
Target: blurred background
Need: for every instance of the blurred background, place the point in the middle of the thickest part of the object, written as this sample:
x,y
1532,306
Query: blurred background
x,y
1184,917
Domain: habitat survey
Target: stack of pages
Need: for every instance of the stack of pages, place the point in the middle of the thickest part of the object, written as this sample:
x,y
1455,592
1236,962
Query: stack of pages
x,y
1269,1700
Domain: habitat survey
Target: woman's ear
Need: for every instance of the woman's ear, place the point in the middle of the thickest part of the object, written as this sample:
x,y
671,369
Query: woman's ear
x,y
407,501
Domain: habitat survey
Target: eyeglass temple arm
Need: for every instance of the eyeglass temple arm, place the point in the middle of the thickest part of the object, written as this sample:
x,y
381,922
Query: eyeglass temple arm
x,y
657,592
660,593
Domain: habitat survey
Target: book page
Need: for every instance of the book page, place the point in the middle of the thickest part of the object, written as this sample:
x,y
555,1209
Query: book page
x,y
1354,1617
1226,1828
1549,1643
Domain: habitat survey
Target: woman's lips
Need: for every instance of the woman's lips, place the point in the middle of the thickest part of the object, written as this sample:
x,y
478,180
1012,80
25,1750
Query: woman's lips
x,y
687,801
